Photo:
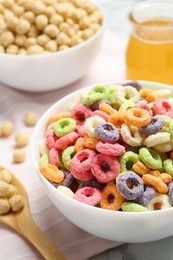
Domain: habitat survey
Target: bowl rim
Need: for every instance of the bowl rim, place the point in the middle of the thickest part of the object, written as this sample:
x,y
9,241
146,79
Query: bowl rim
x,y
59,53
68,198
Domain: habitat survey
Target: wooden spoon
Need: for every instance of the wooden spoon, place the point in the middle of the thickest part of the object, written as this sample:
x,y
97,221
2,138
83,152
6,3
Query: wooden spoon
x,y
23,223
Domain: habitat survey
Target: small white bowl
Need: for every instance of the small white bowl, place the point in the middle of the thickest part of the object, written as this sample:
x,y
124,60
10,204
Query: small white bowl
x,y
50,71
112,225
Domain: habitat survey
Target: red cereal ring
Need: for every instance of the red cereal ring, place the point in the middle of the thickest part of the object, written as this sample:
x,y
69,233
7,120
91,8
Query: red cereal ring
x,y
66,141
163,107
83,160
101,114
111,198
80,130
105,168
51,138
81,113
144,106
54,157
137,116
110,149
88,195
81,175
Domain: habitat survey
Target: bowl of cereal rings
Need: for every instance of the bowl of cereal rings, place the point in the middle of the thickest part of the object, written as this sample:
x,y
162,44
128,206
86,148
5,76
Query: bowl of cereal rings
x,y
48,44
104,155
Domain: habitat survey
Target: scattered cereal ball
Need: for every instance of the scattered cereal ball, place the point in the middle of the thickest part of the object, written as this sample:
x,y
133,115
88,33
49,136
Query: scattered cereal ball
x,y
51,30
43,39
20,40
6,38
30,118
5,176
23,26
35,49
4,189
12,49
41,21
51,46
21,139
16,202
43,148
19,155
2,50
12,191
4,206
56,19
29,16
7,128
66,191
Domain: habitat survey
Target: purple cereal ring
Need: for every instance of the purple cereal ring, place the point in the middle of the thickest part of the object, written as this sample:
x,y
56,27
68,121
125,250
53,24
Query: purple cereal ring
x,y
115,149
95,106
54,157
88,195
134,84
70,181
153,127
66,141
107,132
105,168
51,138
170,192
93,184
148,195
123,181
81,113
163,107
83,160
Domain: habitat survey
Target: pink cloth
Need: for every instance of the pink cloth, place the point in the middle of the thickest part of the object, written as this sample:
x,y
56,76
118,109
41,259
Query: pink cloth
x,y
72,241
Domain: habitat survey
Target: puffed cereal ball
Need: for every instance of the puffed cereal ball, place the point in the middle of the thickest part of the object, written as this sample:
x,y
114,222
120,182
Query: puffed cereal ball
x,y
3,26
41,21
6,38
51,46
4,189
56,19
33,32
2,50
30,41
63,39
19,155
84,23
20,40
51,30
22,51
23,26
5,176
75,40
17,10
29,16
38,7
43,39
30,118
12,49
35,49
21,139
7,128
63,47
4,206
12,191
16,202
8,3
49,11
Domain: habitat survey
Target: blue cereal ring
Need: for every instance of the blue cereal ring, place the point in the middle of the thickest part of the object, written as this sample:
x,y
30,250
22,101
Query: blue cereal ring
x,y
148,195
155,125
126,179
95,106
170,192
135,84
150,158
107,132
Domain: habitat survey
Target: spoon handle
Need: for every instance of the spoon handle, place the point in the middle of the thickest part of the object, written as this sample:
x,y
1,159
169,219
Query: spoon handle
x,y
38,239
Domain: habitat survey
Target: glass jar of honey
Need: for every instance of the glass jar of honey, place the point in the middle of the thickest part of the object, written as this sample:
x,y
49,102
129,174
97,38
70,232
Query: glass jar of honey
x,y
149,53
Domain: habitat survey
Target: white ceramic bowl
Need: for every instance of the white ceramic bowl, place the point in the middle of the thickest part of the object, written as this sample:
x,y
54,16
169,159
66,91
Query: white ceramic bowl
x,y
50,71
112,225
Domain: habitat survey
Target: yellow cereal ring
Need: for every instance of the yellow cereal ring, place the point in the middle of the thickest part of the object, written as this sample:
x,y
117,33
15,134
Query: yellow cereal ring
x,y
58,116
51,172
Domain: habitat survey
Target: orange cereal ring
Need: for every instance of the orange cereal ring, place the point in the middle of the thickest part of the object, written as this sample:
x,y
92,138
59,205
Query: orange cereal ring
x,y
106,108
90,142
166,178
140,168
79,144
149,95
157,182
137,116
51,172
117,118
111,198
58,116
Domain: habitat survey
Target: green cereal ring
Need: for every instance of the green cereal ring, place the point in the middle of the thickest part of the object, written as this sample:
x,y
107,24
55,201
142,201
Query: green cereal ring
x,y
44,159
64,126
127,160
125,106
133,207
150,158
96,94
168,166
170,129
67,155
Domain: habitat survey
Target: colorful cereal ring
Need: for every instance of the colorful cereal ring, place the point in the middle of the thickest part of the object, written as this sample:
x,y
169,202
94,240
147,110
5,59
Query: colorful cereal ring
x,y
129,158
163,107
64,126
150,158
137,116
133,207
88,195
67,155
